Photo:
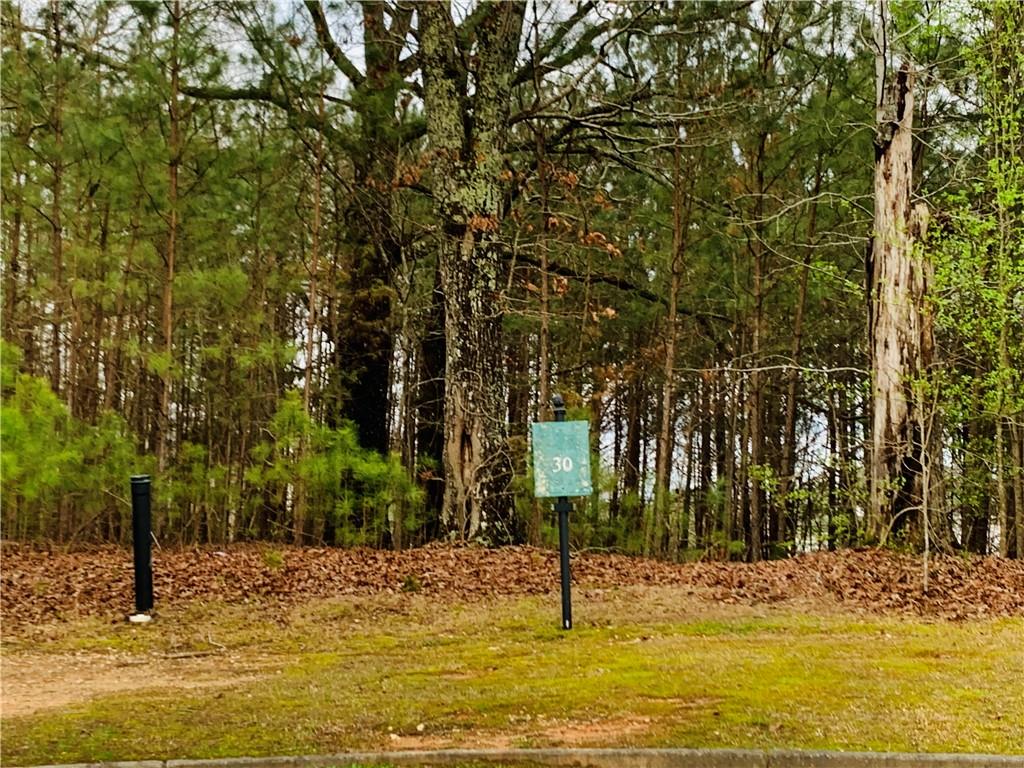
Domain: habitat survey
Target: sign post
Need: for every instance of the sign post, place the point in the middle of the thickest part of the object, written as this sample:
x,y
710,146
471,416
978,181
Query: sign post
x,y
561,468
563,506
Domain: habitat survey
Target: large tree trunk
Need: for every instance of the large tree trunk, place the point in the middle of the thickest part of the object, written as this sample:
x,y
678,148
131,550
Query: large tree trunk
x,y
368,330
364,337
467,131
900,332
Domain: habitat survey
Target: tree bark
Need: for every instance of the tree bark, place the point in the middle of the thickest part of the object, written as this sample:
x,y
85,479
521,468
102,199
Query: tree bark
x,y
467,131
900,331
368,330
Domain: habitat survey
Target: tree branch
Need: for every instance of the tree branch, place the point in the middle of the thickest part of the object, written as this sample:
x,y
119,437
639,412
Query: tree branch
x,y
223,93
323,34
703,318
297,117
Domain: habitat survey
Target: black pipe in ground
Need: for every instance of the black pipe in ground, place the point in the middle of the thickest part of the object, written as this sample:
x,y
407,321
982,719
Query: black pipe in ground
x,y
142,537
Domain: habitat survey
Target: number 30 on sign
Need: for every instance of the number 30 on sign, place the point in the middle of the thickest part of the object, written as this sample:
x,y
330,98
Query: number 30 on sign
x,y
562,463
561,458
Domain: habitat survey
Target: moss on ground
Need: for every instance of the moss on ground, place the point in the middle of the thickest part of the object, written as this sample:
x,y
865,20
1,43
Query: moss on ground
x,y
641,668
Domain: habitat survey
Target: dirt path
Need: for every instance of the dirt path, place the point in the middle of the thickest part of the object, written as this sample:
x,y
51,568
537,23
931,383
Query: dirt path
x,y
32,682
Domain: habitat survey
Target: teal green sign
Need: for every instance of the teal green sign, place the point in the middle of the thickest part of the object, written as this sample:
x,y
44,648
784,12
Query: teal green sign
x,y
561,458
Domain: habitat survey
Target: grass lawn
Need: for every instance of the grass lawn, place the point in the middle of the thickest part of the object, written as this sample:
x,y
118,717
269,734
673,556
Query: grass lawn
x,y
643,667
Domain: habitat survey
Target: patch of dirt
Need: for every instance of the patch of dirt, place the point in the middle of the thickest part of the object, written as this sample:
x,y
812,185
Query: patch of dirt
x,y
458,740
39,586
616,730
37,682
547,731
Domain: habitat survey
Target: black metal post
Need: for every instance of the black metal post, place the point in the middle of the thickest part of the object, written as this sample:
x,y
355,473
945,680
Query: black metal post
x,y
142,534
563,506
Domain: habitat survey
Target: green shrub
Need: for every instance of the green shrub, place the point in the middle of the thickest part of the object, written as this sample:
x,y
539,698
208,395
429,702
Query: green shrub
x,y
352,495
62,478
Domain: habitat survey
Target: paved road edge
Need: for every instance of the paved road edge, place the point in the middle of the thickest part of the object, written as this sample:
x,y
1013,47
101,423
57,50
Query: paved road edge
x,y
596,758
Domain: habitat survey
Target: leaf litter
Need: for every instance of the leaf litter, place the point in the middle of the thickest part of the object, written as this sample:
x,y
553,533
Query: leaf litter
x,y
39,585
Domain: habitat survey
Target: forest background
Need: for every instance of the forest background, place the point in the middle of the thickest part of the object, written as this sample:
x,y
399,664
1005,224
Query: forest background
x,y
317,268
